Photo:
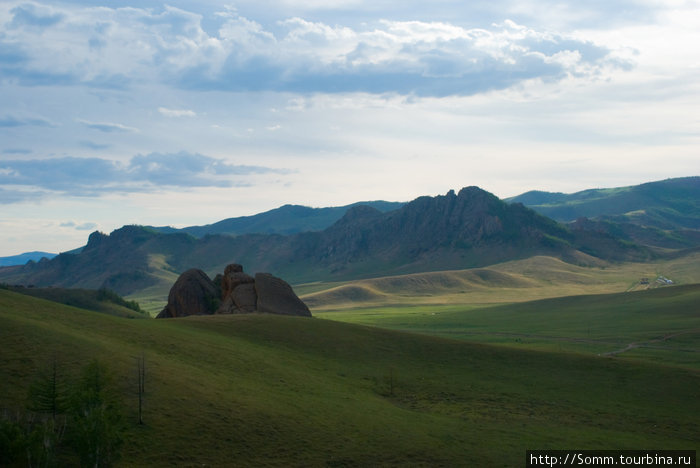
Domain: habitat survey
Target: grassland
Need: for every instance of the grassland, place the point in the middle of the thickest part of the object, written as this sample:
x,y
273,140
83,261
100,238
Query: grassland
x,y
517,281
256,390
660,324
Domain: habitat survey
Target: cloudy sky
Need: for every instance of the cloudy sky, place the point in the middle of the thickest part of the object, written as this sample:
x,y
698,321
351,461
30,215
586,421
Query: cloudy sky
x,y
187,112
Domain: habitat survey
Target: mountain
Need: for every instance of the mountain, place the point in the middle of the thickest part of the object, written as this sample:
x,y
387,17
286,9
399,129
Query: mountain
x,y
663,214
23,258
287,219
667,204
470,229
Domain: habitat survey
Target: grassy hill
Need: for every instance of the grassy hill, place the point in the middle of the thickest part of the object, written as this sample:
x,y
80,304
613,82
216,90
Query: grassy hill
x,y
103,301
668,204
529,279
660,325
257,390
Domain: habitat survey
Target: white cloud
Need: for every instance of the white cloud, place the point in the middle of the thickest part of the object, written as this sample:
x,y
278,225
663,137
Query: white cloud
x,y
114,48
107,127
176,112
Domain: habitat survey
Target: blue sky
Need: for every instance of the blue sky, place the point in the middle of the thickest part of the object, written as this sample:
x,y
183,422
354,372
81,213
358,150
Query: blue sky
x,y
187,112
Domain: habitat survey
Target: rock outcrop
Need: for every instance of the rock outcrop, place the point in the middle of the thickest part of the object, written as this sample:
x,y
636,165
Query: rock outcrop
x,y
192,294
275,296
234,292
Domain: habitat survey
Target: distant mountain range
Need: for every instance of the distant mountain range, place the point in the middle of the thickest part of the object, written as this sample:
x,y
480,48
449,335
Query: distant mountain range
x,y
21,259
287,219
458,230
663,214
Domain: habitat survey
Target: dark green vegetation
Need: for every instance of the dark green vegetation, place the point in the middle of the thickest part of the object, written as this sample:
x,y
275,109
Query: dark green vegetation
x,y
660,325
662,214
102,300
256,390
65,423
287,219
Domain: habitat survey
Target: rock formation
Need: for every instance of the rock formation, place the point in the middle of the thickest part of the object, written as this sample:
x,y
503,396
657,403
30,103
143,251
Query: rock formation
x,y
275,296
234,292
192,294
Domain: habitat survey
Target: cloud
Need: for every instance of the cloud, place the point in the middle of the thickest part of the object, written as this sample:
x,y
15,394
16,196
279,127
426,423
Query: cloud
x,y
143,173
8,197
115,47
17,151
79,227
176,112
94,146
108,127
30,14
13,121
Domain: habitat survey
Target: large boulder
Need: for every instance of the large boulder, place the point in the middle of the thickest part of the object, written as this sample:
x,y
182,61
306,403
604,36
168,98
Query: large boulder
x,y
276,296
194,293
234,292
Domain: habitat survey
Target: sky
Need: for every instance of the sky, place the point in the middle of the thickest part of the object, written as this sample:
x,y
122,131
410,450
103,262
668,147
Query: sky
x,y
188,112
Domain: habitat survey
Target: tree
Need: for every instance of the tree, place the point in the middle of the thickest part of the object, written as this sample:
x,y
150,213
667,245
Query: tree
x,y
95,423
45,427
47,394
141,360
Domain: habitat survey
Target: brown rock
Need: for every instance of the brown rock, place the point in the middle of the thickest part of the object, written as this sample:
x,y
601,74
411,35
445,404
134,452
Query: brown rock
x,y
245,298
276,296
227,306
233,276
192,294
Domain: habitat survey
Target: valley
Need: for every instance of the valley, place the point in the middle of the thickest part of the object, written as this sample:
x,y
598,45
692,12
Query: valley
x,y
456,330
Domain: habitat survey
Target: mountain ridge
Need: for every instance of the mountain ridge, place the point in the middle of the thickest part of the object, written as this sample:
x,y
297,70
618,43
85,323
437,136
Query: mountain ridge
x,y
468,229
666,204
287,219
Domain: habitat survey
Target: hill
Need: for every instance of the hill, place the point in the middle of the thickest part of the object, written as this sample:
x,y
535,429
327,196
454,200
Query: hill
x,y
528,279
23,258
103,300
256,390
472,228
667,204
662,214
287,219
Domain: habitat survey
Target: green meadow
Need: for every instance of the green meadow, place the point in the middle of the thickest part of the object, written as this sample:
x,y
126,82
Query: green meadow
x,y
661,325
261,390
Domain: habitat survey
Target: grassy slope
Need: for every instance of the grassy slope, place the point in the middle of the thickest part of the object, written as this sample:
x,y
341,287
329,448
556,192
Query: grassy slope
x,y
660,324
522,280
285,391
87,299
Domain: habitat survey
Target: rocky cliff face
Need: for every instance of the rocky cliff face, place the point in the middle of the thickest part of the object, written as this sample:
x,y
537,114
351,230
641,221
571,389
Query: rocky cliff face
x,y
235,292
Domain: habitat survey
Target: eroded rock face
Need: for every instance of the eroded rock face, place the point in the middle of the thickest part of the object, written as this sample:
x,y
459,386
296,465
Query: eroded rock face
x,y
234,292
275,296
192,294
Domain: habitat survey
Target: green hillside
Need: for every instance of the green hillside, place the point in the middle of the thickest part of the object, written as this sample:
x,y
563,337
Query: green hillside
x,y
667,204
255,390
101,300
660,325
